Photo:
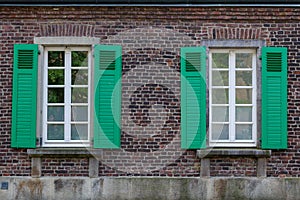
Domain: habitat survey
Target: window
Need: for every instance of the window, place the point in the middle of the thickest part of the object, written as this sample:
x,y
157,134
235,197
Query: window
x,y
247,100
66,96
232,97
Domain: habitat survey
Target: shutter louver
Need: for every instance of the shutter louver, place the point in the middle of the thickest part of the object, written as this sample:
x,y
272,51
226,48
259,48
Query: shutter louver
x,y
24,96
274,98
193,97
107,77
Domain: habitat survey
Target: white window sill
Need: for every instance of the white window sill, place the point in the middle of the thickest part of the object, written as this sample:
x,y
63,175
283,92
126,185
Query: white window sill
x,y
59,152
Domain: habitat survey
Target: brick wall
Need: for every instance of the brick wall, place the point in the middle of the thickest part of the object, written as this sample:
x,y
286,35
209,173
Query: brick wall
x,y
151,38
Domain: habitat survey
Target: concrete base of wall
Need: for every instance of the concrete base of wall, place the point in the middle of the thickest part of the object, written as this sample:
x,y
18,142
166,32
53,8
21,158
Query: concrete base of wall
x,y
149,188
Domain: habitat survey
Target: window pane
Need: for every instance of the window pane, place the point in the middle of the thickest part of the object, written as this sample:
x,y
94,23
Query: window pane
x,y
79,132
79,113
243,114
243,132
220,96
220,60
243,96
55,113
55,95
220,113
243,78
79,77
79,95
56,58
243,60
220,132
56,77
220,78
55,132
79,58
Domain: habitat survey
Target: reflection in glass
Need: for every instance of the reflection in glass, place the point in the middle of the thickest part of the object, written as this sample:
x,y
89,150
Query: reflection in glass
x,y
243,114
243,60
56,58
220,132
220,114
55,132
79,95
55,95
243,78
55,113
79,58
243,96
220,60
79,113
79,132
56,77
79,77
243,131
220,96
220,78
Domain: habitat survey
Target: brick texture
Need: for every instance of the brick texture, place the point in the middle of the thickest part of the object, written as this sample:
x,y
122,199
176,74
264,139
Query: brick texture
x,y
151,38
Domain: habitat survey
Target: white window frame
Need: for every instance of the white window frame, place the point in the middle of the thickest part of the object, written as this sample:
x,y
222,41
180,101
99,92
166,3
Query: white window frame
x,y
232,142
67,121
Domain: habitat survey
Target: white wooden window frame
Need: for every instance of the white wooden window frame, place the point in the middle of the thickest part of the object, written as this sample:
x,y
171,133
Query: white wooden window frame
x,y
232,142
67,142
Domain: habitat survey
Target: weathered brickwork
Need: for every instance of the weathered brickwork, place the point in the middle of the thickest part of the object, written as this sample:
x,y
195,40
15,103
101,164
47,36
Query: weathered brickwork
x,y
65,166
233,167
151,38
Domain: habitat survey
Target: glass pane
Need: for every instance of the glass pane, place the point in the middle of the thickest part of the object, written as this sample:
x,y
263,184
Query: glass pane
x,y
243,114
244,60
220,96
243,132
80,113
55,132
220,78
56,77
79,95
56,58
79,77
220,132
220,60
243,96
55,95
79,132
220,113
243,78
55,113
79,58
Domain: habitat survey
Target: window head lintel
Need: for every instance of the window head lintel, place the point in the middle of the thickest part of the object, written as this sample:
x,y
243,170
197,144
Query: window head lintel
x,y
66,40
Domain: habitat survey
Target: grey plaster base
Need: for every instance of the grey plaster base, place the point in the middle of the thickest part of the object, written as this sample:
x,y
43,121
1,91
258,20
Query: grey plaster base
x,y
150,188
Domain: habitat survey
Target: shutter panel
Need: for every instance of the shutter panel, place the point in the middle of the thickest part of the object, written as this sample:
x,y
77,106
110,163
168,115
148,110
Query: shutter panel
x,y
193,97
274,98
108,69
24,96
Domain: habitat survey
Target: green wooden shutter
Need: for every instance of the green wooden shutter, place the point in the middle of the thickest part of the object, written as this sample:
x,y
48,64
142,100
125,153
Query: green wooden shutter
x,y
193,97
107,84
274,98
24,96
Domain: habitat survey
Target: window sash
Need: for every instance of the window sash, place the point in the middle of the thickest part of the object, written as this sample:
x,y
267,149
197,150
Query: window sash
x,y
231,103
67,104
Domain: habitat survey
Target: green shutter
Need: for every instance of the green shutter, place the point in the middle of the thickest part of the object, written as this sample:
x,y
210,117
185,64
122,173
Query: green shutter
x,y
24,96
107,84
193,97
274,98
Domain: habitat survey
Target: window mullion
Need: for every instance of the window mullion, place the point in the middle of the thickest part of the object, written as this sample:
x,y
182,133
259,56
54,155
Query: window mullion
x,y
231,96
68,96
